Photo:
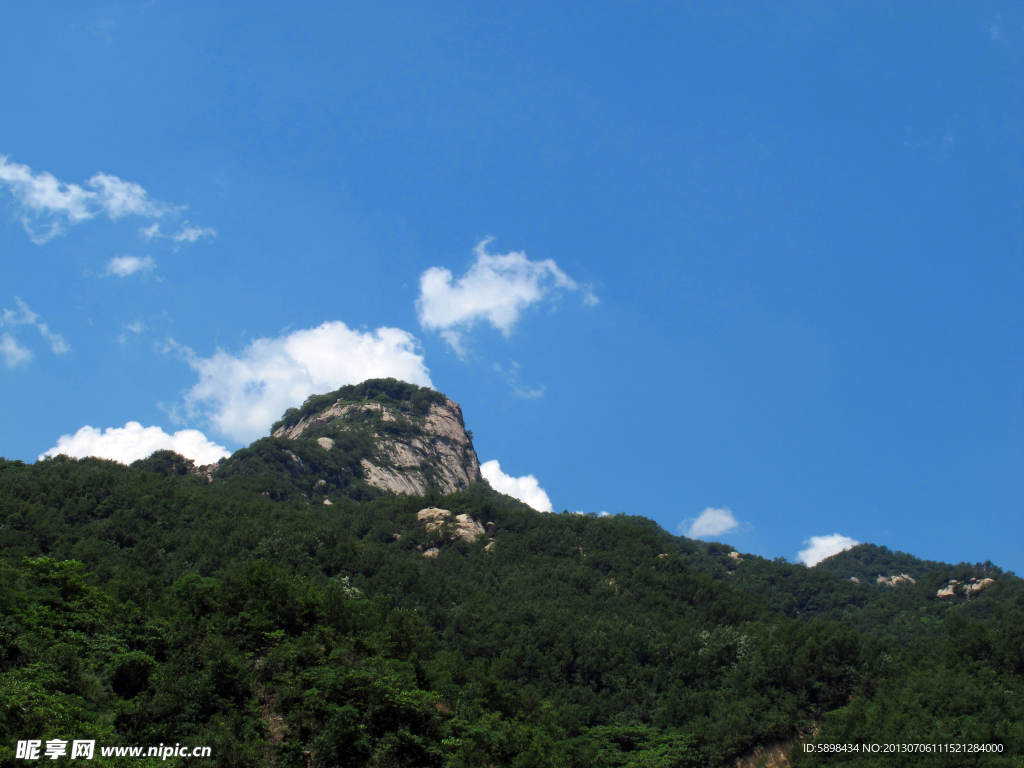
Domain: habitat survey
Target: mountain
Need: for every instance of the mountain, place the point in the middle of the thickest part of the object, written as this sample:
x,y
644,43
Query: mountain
x,y
379,436
871,588
229,606
418,436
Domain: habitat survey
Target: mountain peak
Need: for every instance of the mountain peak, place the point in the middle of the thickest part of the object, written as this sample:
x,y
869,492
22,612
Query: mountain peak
x,y
417,436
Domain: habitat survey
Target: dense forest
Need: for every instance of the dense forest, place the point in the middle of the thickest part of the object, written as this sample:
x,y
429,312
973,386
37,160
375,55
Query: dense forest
x,y
155,604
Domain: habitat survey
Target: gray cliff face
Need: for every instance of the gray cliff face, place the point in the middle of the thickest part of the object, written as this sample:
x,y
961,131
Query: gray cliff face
x,y
411,451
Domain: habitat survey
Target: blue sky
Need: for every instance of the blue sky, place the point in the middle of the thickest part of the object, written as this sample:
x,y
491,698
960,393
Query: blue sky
x,y
762,260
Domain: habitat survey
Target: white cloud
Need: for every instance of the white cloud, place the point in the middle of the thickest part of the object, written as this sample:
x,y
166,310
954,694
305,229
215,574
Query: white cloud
x,y
525,488
122,266
47,203
23,316
710,522
14,354
511,375
187,234
148,233
41,194
13,351
496,289
119,198
137,327
57,343
133,441
824,546
191,234
242,395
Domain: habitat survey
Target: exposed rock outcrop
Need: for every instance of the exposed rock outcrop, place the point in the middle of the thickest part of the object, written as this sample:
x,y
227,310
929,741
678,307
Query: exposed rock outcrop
x,y
333,413
389,479
775,754
967,588
949,590
412,450
973,586
451,527
457,527
204,470
895,581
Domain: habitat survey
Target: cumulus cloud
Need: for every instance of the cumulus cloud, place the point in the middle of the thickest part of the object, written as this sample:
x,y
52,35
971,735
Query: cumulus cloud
x,y
122,266
525,488
134,441
14,354
821,547
496,289
243,394
47,204
710,522
11,349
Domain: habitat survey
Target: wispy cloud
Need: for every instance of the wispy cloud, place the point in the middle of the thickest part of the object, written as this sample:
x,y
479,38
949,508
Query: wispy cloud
x,y
821,547
14,353
189,234
137,328
22,316
101,28
47,204
711,522
148,233
133,442
122,266
525,488
57,344
496,289
511,375
995,29
243,394
937,146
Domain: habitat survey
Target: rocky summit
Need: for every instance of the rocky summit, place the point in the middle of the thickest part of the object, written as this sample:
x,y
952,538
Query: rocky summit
x,y
413,451
382,434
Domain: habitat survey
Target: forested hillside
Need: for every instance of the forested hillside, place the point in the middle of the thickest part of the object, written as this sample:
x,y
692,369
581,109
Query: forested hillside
x,y
882,593
152,604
